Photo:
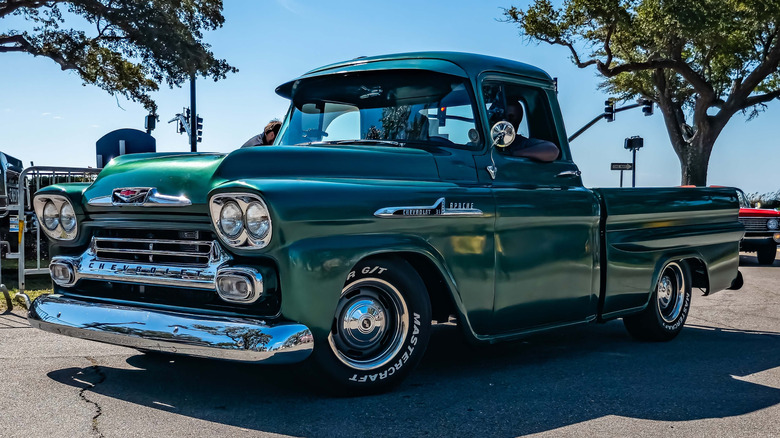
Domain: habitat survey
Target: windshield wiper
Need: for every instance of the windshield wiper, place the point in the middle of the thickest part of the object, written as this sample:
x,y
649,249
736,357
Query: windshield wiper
x,y
369,141
357,141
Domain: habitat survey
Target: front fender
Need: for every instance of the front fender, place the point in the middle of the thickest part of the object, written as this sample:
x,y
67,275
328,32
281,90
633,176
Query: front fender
x,y
313,273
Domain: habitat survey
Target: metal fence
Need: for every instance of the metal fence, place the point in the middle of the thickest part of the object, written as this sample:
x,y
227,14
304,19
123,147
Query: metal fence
x,y
31,180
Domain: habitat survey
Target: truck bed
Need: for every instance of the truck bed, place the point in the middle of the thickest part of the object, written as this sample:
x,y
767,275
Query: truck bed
x,y
643,228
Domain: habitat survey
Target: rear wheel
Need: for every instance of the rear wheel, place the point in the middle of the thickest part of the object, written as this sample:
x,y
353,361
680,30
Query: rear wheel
x,y
665,315
766,255
380,329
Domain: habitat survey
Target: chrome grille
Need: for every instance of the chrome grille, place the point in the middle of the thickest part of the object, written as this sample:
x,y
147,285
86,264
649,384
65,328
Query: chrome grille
x,y
159,251
754,223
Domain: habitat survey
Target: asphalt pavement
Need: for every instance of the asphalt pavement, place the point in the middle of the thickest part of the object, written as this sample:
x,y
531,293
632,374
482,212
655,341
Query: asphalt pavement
x,y
719,378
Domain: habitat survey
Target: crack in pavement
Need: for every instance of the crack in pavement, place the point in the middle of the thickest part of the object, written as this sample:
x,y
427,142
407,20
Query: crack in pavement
x,y
82,395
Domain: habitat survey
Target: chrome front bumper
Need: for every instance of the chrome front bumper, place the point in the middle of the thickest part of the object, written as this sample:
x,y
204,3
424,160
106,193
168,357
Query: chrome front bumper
x,y
239,339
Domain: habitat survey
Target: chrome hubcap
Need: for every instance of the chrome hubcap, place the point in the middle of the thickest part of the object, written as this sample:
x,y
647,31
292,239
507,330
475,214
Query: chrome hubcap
x,y
671,293
370,324
363,323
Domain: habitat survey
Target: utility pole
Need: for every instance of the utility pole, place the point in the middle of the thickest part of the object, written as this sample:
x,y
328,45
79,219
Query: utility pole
x,y
193,119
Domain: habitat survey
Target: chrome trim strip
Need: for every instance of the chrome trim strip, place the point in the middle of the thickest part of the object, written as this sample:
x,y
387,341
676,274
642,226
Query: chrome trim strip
x,y
103,253
437,209
172,241
151,252
89,266
240,339
153,198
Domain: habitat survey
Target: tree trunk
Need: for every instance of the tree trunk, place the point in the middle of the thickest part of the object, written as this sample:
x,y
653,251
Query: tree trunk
x,y
694,160
693,153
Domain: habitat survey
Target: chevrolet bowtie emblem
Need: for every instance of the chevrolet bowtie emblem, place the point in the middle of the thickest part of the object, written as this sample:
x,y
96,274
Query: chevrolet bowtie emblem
x,y
131,195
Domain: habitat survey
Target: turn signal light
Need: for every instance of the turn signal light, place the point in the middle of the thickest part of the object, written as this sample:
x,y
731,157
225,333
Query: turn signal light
x,y
776,237
62,273
239,285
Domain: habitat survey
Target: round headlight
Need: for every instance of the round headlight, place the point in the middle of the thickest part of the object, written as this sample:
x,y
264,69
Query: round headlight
x,y
257,221
771,224
231,219
67,217
51,217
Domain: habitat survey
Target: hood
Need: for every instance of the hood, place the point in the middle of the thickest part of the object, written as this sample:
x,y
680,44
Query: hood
x,y
365,162
758,212
194,175
172,174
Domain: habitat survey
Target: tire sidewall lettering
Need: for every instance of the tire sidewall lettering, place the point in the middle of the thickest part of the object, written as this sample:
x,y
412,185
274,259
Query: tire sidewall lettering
x,y
680,319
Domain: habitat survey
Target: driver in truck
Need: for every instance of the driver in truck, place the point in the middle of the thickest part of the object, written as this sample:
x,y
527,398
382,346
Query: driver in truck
x,y
540,150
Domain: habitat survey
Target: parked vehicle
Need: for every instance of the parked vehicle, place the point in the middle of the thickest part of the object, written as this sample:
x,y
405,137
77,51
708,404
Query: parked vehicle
x,y
762,230
10,192
385,205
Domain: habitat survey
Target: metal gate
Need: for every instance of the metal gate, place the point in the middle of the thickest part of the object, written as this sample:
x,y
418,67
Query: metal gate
x,y
31,180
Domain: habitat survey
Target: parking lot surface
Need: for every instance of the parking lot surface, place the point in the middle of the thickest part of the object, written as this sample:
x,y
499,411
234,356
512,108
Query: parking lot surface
x,y
719,378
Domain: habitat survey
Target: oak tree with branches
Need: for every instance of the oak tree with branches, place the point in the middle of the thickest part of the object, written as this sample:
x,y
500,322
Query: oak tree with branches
x,y
700,61
126,47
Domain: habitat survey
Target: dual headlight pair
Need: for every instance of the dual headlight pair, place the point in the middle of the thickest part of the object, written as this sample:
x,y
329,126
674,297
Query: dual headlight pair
x,y
241,219
57,217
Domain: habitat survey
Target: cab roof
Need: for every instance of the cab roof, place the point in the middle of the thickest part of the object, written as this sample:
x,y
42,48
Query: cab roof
x,y
454,63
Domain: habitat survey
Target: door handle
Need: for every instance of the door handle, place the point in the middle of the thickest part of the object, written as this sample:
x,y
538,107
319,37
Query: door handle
x,y
569,174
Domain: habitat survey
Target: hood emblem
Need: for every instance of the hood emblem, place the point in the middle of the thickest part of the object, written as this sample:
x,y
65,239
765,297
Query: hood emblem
x,y
439,208
139,197
134,195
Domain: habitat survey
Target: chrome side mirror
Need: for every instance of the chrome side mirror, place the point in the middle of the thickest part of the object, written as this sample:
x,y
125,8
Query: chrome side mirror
x,y
502,134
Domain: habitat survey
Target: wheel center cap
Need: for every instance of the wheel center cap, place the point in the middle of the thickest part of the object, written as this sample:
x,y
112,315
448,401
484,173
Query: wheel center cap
x,y
366,324
665,290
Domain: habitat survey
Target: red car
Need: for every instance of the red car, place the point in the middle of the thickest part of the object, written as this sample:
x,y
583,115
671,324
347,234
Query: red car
x,y
762,230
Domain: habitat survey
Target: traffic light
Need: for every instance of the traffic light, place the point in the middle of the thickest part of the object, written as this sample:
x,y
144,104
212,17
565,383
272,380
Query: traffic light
x,y
180,126
609,110
441,115
647,107
634,143
150,122
199,128
186,114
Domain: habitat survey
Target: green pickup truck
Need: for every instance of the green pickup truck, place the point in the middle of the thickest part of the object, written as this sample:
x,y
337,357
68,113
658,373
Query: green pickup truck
x,y
388,203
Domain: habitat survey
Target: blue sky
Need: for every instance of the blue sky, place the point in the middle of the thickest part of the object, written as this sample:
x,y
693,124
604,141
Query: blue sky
x,y
48,117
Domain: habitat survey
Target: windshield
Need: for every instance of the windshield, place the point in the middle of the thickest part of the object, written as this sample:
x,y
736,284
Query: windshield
x,y
743,200
386,108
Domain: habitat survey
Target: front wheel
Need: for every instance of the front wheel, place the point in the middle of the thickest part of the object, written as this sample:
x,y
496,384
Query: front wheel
x,y
665,315
766,255
380,329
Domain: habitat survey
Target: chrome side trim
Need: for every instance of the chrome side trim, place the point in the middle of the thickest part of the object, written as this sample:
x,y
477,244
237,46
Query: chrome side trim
x,y
439,208
89,266
219,337
153,198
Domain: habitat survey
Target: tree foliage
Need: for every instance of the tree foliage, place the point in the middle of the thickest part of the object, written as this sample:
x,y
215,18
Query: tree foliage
x,y
765,200
701,61
133,45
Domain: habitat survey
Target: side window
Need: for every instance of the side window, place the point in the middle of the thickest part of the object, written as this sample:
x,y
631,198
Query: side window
x,y
525,107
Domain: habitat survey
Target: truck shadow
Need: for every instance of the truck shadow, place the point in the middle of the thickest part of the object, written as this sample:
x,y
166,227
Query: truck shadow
x,y
546,382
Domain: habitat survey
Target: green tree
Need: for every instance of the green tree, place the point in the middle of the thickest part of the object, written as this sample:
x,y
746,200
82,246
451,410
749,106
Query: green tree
x,y
700,61
133,45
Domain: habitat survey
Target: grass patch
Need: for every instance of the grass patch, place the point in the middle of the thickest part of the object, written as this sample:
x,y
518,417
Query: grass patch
x,y
35,285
